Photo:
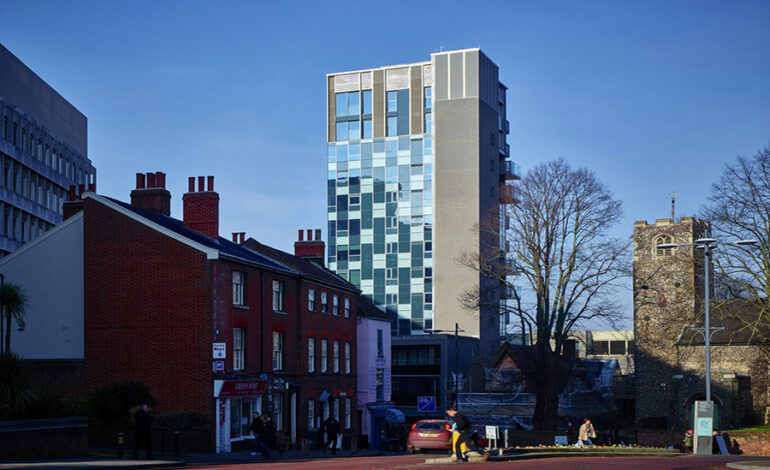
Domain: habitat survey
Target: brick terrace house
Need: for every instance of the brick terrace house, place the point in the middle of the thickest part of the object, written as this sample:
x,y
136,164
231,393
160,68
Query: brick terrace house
x,y
124,292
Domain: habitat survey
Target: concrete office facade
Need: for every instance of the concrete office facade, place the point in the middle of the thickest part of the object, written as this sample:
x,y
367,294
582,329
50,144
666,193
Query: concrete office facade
x,y
417,155
43,151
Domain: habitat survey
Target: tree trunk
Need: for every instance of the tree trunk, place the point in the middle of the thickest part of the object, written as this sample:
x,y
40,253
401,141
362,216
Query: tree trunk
x,y
550,379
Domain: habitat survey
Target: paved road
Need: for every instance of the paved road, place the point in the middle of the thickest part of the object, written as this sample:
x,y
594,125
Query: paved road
x,y
418,461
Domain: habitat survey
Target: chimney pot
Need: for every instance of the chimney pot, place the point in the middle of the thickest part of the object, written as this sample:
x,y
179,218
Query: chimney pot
x,y
140,181
309,234
151,181
160,179
301,234
92,187
81,190
317,234
235,237
191,184
72,195
210,183
200,184
243,237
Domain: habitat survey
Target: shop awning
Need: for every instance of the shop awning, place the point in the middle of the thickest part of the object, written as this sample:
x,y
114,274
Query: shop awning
x,y
394,416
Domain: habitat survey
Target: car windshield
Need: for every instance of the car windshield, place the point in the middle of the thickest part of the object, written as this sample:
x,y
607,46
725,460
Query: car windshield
x,y
430,426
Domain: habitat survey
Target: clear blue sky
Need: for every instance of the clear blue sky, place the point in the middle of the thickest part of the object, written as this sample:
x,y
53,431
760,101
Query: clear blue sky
x,y
655,96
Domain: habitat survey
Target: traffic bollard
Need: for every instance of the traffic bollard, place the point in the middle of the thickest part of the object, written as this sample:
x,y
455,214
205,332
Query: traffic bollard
x,y
176,442
354,445
305,449
120,445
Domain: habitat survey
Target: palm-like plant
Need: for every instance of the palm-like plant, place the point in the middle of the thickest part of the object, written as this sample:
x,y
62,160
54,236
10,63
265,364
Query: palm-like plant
x,y
13,305
15,395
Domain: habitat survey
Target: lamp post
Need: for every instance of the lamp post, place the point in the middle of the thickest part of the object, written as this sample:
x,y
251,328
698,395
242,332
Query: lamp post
x,y
706,244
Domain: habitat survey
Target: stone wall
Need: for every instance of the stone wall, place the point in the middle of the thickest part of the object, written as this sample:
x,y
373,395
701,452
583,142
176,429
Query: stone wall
x,y
44,438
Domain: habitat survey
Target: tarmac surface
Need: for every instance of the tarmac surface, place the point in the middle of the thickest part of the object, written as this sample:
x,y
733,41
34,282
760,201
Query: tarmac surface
x,y
390,460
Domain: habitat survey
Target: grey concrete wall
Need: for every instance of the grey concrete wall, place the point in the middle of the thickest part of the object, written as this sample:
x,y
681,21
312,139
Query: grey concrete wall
x,y
50,271
25,89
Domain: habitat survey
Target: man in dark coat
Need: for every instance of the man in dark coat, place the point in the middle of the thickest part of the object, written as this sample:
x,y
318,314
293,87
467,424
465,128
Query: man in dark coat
x,y
256,429
142,421
331,429
464,428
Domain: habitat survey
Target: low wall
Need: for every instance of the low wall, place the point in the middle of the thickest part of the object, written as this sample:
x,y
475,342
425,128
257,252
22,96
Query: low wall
x,y
44,438
752,443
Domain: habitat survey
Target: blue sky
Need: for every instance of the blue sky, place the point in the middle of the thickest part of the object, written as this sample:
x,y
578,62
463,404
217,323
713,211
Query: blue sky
x,y
656,96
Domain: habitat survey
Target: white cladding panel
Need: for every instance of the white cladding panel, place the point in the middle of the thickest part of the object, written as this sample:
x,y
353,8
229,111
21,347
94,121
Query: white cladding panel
x,y
347,82
397,79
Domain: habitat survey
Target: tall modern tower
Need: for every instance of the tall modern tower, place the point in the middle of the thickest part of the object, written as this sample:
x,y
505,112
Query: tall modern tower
x,y
43,151
417,156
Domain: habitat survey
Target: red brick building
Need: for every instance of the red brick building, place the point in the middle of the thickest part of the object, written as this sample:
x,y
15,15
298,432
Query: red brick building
x,y
212,325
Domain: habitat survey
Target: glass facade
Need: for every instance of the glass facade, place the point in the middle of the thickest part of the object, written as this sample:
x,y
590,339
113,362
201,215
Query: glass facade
x,y
380,208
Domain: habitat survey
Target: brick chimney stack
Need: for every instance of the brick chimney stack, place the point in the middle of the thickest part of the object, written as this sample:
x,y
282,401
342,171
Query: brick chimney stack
x,y
151,193
201,207
311,249
74,202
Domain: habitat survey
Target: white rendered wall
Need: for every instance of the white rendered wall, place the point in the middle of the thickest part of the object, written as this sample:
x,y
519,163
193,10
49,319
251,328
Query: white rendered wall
x,y
50,271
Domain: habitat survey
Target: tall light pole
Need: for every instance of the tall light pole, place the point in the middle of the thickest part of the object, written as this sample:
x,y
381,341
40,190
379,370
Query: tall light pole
x,y
707,244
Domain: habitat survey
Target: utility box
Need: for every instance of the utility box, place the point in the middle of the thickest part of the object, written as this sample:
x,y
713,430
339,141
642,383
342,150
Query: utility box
x,y
704,426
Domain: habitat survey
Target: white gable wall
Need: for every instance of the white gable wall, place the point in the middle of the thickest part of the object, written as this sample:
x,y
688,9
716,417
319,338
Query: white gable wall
x,y
50,271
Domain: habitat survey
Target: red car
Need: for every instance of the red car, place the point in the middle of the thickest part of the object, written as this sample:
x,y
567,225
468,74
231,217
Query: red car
x,y
429,434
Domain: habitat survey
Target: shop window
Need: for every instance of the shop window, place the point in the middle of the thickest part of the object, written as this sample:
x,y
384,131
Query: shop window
x,y
278,411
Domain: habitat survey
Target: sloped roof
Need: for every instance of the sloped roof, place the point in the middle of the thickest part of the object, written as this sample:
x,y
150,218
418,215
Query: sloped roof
x,y
369,310
226,248
301,265
742,324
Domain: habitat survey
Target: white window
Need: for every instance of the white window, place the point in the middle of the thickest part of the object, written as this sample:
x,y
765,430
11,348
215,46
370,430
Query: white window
x,y
277,296
324,303
347,308
311,299
662,252
337,409
336,305
347,357
237,288
278,411
326,410
311,414
238,334
336,353
347,413
324,355
311,355
277,350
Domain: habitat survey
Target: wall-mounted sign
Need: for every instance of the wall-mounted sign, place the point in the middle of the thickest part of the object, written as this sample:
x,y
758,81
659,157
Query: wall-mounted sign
x,y
219,366
219,350
239,388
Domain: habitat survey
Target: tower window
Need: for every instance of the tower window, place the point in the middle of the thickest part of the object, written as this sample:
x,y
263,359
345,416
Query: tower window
x,y
661,252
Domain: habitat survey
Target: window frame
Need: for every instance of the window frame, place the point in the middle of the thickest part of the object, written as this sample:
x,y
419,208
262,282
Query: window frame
x,y
277,352
311,355
239,298
336,356
239,342
348,359
278,411
336,305
348,412
278,295
311,299
324,355
324,303
310,413
346,303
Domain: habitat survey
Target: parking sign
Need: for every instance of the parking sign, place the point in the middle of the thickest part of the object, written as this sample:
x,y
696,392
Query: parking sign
x,y
426,404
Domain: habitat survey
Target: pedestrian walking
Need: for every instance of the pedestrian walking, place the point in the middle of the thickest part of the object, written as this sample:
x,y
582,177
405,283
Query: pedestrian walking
x,y
256,429
464,429
331,428
687,442
142,421
586,433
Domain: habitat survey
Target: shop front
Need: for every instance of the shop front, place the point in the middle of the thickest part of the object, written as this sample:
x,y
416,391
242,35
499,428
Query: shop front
x,y
236,401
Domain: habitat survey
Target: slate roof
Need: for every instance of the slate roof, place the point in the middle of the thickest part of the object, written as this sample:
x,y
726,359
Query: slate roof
x,y
226,248
367,309
300,265
742,323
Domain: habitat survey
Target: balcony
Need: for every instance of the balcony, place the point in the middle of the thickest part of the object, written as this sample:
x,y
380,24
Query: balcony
x,y
509,194
509,170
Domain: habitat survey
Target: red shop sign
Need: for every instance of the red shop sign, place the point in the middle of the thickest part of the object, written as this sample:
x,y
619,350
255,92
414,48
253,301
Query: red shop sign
x,y
242,388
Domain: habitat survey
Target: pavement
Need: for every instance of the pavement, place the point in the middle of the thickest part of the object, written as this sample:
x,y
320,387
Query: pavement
x,y
106,459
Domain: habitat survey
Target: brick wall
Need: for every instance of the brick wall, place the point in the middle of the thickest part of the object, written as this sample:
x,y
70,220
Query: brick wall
x,y
147,311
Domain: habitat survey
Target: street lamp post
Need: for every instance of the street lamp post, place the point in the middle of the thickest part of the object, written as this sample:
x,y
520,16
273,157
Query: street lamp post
x,y
707,244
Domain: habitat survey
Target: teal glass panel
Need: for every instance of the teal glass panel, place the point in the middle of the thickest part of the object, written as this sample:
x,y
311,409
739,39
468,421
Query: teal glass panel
x,y
355,277
379,277
366,102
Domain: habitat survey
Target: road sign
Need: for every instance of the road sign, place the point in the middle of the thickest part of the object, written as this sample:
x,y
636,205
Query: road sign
x,y
426,404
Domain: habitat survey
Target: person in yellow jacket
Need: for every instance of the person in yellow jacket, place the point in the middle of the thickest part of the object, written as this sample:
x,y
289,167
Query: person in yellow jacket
x,y
586,433
455,436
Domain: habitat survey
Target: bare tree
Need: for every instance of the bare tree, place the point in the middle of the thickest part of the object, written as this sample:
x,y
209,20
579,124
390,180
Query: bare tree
x,y
556,240
739,208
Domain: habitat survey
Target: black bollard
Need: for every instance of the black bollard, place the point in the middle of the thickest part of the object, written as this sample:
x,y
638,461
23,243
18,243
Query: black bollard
x,y
176,442
120,445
